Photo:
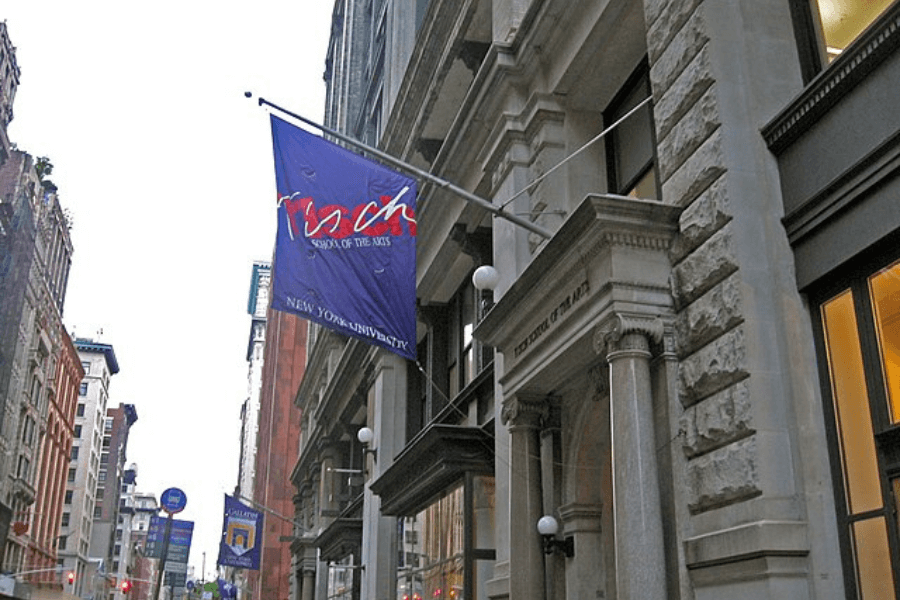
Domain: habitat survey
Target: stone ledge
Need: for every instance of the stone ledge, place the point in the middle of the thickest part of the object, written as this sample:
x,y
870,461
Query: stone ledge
x,y
745,542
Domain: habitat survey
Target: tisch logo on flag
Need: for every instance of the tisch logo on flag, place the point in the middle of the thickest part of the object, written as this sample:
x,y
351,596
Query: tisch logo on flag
x,y
345,253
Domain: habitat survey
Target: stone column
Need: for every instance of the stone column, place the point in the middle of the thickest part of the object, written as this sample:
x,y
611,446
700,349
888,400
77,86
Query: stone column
x,y
329,457
308,589
523,416
640,554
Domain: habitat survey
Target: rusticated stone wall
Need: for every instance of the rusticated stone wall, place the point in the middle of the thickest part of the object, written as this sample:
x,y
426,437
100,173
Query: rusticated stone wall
x,y
716,426
747,420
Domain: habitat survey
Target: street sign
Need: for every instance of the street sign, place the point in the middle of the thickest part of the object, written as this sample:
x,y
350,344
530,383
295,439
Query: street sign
x,y
173,500
179,539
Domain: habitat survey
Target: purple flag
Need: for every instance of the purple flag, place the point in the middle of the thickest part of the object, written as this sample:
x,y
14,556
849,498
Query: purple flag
x,y
345,253
241,536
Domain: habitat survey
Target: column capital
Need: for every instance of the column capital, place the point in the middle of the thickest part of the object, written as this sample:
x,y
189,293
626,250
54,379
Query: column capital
x,y
611,334
525,411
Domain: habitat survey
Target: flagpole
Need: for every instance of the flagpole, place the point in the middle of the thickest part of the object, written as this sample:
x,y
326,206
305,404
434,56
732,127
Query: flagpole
x,y
442,183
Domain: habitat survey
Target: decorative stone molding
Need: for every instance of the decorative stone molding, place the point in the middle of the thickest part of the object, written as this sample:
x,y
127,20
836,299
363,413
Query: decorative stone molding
x,y
525,411
747,541
878,42
618,325
578,518
599,378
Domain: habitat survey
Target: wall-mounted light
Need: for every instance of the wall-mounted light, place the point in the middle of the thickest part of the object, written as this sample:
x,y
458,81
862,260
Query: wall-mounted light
x,y
485,279
548,527
365,436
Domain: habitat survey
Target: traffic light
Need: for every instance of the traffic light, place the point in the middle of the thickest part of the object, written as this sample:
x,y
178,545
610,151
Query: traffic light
x,y
70,576
125,586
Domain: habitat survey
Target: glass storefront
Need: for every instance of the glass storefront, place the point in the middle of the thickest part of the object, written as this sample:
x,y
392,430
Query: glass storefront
x,y
443,545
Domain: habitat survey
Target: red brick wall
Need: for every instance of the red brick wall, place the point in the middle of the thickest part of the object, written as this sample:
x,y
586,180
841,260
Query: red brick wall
x,y
277,449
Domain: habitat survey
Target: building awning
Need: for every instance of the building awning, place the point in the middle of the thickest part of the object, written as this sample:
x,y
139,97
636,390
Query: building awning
x,y
340,539
435,459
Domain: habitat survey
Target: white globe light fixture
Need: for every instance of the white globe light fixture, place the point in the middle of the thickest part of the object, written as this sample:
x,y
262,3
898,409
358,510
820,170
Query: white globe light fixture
x,y
365,435
548,527
485,277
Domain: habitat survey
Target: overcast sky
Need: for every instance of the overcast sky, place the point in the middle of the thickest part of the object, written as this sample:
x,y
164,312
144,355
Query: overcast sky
x,y
166,169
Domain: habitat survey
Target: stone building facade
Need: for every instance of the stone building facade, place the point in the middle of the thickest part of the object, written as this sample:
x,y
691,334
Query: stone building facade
x,y
688,363
39,368
81,505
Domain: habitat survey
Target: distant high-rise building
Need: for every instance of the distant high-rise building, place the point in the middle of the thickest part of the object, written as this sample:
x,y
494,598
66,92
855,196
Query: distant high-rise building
x,y
81,507
257,305
112,512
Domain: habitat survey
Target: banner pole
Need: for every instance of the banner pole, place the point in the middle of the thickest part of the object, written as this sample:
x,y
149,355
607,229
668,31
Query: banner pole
x,y
442,183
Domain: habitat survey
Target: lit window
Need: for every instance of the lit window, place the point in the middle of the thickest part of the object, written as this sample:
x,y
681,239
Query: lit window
x,y
843,20
860,335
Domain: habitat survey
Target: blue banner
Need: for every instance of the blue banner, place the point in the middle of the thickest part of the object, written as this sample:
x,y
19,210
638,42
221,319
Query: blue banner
x,y
241,536
345,253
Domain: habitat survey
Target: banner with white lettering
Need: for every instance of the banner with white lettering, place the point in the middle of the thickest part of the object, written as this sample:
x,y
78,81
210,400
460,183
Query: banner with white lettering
x,y
241,536
345,252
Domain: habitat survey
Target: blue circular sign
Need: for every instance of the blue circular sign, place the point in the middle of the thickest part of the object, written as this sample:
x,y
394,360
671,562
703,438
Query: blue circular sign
x,y
173,500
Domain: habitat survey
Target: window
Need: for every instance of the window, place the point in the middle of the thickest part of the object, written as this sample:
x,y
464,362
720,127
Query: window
x,y
24,467
68,498
78,431
86,366
28,425
464,357
65,519
71,475
630,147
339,585
826,27
432,557
858,334
82,391
74,453
79,410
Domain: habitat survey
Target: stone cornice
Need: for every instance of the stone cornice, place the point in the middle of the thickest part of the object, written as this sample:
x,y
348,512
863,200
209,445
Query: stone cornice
x,y
878,42
599,222
444,25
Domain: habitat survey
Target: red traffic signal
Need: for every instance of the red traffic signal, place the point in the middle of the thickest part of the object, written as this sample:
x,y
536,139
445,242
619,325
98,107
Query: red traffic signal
x,y
125,586
71,577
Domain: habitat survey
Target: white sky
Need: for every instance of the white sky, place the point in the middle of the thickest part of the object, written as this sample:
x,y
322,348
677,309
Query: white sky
x,y
167,170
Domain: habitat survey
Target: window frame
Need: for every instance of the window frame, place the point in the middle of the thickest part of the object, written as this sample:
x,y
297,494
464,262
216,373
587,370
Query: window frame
x,y
855,277
638,78
810,38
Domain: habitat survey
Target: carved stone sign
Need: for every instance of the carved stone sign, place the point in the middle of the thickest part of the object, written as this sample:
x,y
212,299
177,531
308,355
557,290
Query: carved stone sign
x,y
558,312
